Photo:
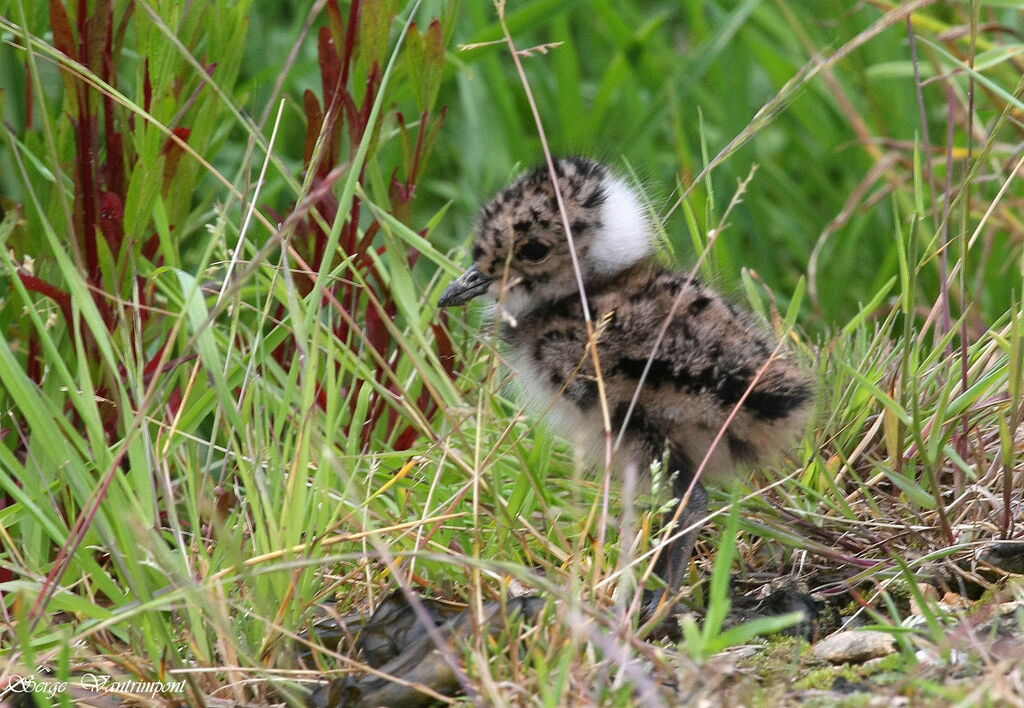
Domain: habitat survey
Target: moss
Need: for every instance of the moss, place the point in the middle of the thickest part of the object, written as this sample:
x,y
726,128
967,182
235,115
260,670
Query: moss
x,y
853,700
878,672
823,678
782,658
893,662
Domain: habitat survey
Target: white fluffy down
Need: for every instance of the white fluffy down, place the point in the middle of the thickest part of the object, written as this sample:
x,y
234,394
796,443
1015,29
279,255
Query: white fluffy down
x,y
625,234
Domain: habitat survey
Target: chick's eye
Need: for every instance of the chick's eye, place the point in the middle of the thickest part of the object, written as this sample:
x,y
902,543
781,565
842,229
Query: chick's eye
x,y
534,250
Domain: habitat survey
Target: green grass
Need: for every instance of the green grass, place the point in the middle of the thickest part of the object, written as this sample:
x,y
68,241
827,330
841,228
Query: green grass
x,y
232,401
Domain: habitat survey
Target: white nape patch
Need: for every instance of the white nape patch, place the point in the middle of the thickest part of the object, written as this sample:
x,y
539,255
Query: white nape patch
x,y
625,236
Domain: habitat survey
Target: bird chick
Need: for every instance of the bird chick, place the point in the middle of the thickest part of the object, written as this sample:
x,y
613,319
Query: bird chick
x,y
705,364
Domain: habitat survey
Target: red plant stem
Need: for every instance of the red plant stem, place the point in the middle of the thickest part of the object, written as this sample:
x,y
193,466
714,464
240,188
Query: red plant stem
x,y
33,367
147,87
38,285
421,134
86,188
350,41
75,538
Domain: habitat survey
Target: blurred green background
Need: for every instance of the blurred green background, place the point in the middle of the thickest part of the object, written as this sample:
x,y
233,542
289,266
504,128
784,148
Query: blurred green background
x,y
657,89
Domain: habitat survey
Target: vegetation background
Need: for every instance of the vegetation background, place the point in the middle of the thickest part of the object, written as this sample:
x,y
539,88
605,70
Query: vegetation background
x,y
229,400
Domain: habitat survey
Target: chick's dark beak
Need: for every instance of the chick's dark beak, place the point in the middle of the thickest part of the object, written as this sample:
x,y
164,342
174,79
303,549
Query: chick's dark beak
x,y
464,288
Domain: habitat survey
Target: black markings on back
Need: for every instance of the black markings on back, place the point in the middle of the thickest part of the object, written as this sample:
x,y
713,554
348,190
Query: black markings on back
x,y
772,405
730,386
727,387
699,304
641,427
582,391
660,373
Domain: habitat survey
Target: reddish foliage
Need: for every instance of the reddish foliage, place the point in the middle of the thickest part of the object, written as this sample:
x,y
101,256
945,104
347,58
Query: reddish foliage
x,y
63,37
365,298
112,220
173,151
38,285
147,87
314,122
90,33
100,172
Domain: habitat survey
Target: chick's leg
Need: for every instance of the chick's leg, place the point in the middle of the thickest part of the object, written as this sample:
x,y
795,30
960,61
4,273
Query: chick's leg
x,y
675,557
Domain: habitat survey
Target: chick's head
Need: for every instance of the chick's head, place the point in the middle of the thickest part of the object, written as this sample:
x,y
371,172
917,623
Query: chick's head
x,y
521,254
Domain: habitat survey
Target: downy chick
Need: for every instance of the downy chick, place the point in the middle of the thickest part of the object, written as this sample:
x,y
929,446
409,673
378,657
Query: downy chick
x,y
702,368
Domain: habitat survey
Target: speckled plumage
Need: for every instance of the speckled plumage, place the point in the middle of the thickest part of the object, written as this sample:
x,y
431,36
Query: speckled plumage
x,y
702,368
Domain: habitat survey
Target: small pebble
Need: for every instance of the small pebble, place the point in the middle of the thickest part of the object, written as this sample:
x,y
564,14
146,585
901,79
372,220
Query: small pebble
x,y
854,646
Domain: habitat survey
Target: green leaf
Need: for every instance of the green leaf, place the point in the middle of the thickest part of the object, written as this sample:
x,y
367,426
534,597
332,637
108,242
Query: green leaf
x,y
375,21
206,343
